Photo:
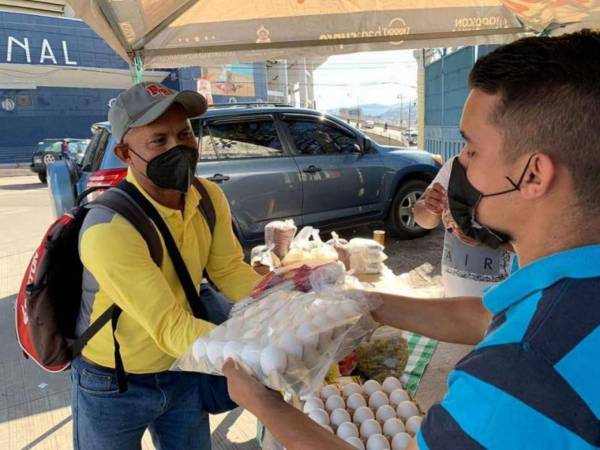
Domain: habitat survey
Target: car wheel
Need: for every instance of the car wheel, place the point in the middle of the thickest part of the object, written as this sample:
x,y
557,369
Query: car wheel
x,y
401,221
43,177
48,159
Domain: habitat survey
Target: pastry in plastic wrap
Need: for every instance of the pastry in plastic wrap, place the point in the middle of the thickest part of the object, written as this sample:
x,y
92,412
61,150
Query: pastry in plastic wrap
x,y
366,256
385,354
279,236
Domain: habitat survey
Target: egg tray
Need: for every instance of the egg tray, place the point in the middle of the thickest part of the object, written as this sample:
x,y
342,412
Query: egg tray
x,y
356,413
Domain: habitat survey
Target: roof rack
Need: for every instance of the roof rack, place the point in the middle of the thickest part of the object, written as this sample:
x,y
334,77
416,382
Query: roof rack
x,y
250,104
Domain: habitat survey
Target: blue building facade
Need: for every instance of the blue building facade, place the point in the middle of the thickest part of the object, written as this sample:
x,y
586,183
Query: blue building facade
x,y
57,77
446,89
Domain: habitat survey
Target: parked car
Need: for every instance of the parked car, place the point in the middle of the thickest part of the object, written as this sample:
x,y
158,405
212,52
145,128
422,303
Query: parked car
x,y
368,124
411,136
277,163
50,150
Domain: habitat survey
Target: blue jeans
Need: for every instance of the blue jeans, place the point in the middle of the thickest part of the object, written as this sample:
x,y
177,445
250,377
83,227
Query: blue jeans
x,y
168,404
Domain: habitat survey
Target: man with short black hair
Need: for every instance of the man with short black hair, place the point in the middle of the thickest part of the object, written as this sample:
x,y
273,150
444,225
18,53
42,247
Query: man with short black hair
x,y
530,178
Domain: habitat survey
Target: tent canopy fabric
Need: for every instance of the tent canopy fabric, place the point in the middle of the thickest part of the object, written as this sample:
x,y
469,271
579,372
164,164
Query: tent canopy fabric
x,y
169,33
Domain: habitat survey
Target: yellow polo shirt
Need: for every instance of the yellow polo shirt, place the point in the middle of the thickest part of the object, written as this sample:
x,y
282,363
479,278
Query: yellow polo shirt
x,y
156,325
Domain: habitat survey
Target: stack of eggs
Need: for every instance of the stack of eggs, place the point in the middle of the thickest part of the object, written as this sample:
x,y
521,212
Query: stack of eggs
x,y
283,354
369,417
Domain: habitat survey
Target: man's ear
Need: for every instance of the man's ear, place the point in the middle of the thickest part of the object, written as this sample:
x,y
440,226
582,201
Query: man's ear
x,y
539,177
122,152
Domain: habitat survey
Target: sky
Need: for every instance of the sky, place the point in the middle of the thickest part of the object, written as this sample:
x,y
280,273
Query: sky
x,y
360,78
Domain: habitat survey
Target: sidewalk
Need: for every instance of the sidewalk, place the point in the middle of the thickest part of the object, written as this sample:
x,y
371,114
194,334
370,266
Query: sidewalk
x,y
14,170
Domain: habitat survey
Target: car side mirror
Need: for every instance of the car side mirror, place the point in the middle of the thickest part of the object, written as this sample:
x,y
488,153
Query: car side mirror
x,y
368,146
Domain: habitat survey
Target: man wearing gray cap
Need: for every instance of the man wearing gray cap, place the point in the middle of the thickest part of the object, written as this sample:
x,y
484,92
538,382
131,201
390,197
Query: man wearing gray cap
x,y
151,126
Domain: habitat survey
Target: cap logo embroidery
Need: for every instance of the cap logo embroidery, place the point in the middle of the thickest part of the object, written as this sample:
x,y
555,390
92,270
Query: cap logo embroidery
x,y
155,90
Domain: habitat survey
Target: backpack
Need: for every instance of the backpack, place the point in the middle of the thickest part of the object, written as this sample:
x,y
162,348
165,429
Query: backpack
x,y
48,302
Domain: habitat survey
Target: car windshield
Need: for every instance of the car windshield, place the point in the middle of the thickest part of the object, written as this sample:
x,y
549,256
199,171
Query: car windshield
x,y
50,146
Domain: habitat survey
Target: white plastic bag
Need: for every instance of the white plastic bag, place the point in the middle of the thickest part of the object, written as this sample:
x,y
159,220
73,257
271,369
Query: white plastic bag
x,y
290,334
308,248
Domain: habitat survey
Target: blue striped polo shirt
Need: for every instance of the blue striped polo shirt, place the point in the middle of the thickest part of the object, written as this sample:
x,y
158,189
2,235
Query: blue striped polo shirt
x,y
534,380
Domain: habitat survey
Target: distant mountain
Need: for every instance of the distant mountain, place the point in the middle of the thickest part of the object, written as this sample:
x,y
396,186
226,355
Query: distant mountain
x,y
385,113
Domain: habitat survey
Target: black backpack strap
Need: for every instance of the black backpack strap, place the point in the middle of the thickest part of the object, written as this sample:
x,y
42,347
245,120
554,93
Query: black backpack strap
x,y
206,207
121,203
192,295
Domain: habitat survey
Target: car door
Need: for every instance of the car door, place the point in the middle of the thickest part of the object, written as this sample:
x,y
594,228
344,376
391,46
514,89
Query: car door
x,y
92,159
246,157
340,180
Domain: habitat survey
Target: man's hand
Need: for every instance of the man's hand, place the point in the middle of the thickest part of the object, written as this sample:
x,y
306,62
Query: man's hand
x,y
453,228
434,199
243,387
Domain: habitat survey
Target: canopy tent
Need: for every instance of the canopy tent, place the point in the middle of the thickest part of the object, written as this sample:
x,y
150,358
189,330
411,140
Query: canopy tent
x,y
169,33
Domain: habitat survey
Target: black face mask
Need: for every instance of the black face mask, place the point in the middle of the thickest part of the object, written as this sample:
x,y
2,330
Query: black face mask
x,y
463,199
173,169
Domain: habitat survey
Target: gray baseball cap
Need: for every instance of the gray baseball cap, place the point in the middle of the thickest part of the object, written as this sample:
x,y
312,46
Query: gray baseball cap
x,y
145,102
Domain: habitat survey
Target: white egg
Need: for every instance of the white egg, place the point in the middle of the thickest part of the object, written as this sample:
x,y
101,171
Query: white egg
x,y
328,391
311,358
369,427
235,327
339,416
398,396
362,414
378,399
390,384
273,359
347,311
378,442
233,349
371,386
347,430
313,403
413,424
334,402
291,344
307,334
392,427
322,324
214,351
320,416
199,349
351,388
355,401
251,356
355,442
407,409
401,441
218,334
385,412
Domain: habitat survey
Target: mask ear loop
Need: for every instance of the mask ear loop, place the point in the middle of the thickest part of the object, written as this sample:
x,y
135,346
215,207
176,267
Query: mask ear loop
x,y
516,186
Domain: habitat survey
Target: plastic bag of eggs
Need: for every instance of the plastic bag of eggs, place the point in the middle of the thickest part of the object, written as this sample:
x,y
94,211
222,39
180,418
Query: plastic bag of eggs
x,y
288,339
371,416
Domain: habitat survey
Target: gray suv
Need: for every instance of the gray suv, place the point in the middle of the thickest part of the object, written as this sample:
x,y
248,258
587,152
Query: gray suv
x,y
279,162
